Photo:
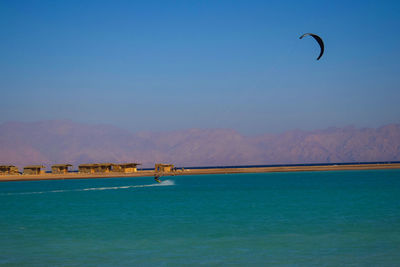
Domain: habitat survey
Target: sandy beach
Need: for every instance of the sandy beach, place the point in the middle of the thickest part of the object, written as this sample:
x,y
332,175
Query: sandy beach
x,y
149,173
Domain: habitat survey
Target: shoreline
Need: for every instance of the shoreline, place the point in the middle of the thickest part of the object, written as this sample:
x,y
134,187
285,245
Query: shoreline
x,y
150,173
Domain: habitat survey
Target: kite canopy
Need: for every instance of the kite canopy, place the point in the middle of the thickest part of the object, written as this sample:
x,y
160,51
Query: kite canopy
x,y
319,40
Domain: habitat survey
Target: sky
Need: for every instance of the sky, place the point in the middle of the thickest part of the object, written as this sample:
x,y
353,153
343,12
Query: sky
x,y
172,65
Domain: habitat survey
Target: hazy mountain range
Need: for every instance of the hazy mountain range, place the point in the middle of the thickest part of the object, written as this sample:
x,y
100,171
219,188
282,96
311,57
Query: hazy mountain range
x,y
49,142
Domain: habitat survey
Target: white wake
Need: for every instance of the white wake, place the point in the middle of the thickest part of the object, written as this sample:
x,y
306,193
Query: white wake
x,y
163,183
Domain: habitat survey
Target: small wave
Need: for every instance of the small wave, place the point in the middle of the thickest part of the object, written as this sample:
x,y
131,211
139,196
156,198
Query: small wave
x,y
163,183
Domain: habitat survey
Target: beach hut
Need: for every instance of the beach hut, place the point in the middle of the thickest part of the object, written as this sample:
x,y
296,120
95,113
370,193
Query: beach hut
x,y
8,170
104,167
161,167
34,169
87,168
125,167
95,168
60,168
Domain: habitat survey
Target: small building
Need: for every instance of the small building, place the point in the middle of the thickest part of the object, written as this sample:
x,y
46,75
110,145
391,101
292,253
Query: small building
x,y
8,170
160,167
87,168
104,167
60,168
125,167
34,169
95,168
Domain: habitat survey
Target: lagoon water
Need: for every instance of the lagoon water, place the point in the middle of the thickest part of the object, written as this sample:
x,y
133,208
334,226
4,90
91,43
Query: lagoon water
x,y
288,219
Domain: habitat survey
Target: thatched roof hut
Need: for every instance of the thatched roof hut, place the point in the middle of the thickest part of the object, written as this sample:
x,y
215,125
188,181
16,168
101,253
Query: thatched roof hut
x,y
161,167
60,168
95,168
8,170
34,169
125,167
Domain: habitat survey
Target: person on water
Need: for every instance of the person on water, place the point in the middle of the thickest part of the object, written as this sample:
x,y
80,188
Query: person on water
x,y
157,179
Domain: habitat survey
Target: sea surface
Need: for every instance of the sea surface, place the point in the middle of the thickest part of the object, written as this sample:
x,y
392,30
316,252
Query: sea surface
x,y
337,218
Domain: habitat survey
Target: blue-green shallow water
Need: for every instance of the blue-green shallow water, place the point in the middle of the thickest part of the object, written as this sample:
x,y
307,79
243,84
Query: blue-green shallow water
x,y
337,218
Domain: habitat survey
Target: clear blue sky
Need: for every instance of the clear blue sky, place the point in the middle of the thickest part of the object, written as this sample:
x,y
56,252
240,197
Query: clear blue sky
x,y
169,65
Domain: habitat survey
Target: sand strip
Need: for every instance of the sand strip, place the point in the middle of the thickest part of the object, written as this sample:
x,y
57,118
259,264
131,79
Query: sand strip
x,y
146,173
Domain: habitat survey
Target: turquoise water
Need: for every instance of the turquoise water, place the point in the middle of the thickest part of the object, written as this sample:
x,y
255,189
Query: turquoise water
x,y
337,218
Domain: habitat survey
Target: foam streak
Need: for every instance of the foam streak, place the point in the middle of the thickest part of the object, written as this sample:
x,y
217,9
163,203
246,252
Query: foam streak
x,y
163,183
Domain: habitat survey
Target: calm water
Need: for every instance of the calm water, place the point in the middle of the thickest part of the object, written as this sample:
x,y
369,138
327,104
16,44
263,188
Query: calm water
x,y
338,218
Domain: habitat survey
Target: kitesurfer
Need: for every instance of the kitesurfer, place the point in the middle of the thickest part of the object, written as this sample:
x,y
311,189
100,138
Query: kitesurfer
x,y
157,179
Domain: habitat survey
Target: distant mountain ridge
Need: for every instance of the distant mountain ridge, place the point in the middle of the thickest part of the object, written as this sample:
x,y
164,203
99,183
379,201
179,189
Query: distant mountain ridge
x,y
50,142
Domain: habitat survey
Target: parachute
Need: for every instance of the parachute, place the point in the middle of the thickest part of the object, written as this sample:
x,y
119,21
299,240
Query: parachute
x,y
319,40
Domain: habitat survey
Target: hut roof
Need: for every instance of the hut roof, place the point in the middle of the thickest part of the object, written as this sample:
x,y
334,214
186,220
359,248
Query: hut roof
x,y
96,165
34,167
164,165
87,165
104,164
61,165
7,166
127,164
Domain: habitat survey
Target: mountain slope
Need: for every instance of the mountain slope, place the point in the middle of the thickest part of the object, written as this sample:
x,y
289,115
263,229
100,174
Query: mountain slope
x,y
49,142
